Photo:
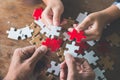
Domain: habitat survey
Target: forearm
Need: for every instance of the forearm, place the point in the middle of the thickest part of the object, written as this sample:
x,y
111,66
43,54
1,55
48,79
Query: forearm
x,y
111,13
49,1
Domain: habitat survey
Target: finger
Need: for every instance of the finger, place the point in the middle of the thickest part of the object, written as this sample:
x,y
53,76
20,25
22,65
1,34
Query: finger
x,y
38,54
27,52
84,25
86,65
47,16
63,72
56,18
70,29
89,38
71,64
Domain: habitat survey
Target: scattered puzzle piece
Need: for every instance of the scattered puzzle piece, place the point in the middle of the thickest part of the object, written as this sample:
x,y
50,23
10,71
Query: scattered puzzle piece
x,y
60,54
26,32
14,34
54,44
37,40
91,58
106,62
91,43
114,39
66,36
22,33
37,13
36,29
54,69
81,17
52,31
71,49
99,74
76,35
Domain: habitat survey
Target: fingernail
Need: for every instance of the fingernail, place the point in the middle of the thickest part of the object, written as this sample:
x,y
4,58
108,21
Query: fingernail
x,y
56,23
67,57
44,48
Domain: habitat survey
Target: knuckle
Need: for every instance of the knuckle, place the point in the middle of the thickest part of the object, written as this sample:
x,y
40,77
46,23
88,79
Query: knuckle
x,y
17,50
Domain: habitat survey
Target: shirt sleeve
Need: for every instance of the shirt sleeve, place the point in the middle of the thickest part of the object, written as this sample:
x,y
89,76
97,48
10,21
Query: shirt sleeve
x,y
117,3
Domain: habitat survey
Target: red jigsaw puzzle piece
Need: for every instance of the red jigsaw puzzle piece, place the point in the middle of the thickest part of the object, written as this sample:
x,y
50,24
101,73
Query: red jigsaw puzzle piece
x,y
83,46
76,35
54,44
37,13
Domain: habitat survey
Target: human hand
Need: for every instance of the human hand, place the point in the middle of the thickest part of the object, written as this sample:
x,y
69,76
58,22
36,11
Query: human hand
x,y
76,69
23,62
93,25
52,13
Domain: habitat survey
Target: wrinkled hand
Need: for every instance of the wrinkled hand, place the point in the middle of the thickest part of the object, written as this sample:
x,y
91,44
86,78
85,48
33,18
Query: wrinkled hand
x,y
93,25
52,13
76,69
23,62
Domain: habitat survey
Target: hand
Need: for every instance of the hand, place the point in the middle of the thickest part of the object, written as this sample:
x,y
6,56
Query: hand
x,y
23,62
52,13
76,69
94,23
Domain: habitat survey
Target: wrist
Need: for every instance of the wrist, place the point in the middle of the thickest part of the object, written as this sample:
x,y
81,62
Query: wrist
x,y
47,2
10,77
110,14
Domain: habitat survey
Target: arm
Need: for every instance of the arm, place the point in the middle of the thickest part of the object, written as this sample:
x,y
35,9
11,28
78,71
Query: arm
x,y
53,11
94,23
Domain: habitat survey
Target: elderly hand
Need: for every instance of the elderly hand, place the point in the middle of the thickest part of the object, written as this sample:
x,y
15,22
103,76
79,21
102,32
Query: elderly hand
x,y
76,69
24,61
52,13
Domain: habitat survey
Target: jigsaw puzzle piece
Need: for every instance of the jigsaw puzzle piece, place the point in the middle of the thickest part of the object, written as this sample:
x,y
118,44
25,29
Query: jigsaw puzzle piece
x,y
14,34
26,32
37,13
54,44
36,29
78,36
106,62
91,58
71,49
81,17
37,40
114,39
99,74
54,69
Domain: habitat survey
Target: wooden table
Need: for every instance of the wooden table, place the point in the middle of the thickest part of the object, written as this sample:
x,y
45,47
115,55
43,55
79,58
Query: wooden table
x,y
14,13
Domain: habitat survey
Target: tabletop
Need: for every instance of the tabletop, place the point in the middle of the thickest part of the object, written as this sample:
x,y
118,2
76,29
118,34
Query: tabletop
x,y
14,13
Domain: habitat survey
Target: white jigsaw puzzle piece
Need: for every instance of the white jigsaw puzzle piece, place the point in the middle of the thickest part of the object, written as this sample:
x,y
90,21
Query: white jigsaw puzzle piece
x,y
71,49
99,74
14,34
52,31
66,36
91,43
81,17
55,68
90,57
26,32
40,23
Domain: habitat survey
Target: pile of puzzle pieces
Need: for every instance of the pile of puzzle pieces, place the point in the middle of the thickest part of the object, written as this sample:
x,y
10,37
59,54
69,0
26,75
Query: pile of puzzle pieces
x,y
60,41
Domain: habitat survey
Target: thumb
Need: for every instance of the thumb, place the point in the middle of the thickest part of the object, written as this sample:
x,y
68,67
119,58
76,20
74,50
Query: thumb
x,y
56,18
84,25
38,54
70,61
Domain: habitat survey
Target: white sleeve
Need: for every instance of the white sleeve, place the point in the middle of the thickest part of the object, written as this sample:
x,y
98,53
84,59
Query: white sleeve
x,y
117,4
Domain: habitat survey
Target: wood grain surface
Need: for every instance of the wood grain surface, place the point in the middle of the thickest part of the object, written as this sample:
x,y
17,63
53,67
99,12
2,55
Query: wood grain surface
x,y
18,13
